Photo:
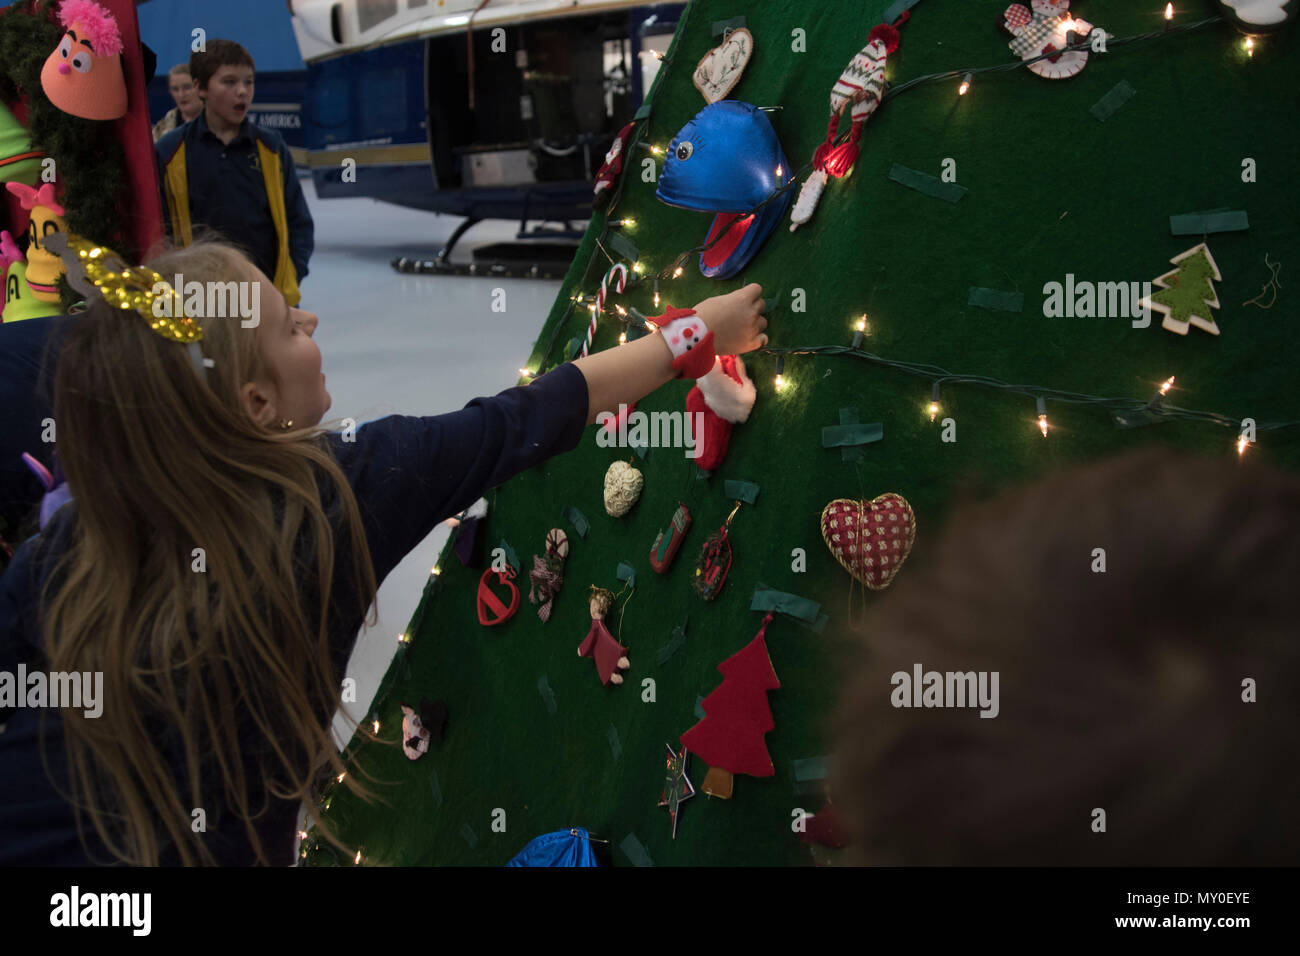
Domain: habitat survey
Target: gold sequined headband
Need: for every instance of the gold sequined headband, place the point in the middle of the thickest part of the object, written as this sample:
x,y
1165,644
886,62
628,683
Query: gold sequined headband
x,y
96,271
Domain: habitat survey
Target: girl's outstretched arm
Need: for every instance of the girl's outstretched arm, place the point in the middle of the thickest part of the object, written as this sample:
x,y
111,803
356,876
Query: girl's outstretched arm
x,y
632,371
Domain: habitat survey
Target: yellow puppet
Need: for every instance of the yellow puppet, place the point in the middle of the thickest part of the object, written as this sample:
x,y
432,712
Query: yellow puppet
x,y
46,219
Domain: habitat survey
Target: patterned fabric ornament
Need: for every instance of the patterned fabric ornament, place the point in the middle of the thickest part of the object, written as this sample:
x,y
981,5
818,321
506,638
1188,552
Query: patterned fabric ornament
x,y
547,575
1186,295
677,785
608,173
83,76
1046,29
623,485
870,539
720,69
860,88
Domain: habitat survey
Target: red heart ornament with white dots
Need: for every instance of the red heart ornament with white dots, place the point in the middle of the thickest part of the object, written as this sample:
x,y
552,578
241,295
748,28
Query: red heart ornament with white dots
x,y
870,539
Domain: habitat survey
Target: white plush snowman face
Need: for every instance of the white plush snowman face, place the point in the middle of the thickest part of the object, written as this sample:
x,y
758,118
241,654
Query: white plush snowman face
x,y
1259,12
1051,8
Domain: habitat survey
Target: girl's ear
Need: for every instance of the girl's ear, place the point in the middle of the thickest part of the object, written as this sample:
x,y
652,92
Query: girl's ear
x,y
259,402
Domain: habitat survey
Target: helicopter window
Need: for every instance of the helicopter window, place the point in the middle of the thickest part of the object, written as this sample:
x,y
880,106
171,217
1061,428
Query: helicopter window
x,y
371,13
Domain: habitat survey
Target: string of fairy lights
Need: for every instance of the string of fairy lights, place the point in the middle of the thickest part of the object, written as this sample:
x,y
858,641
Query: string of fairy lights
x,y
1150,410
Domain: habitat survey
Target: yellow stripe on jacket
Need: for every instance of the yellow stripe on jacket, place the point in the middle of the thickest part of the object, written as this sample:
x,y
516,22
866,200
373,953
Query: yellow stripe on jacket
x,y
178,207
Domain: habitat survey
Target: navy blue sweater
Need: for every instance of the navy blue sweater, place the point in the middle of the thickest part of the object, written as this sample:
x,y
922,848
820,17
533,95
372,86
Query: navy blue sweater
x,y
407,473
228,191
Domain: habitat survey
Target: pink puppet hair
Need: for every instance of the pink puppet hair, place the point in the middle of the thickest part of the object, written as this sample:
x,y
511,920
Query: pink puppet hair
x,y
99,26
30,198
9,251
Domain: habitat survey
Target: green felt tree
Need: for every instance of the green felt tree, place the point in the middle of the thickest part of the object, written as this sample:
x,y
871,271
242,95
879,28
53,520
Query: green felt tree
x,y
1187,293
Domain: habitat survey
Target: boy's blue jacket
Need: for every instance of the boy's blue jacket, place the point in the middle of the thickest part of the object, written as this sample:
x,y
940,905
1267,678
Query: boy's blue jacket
x,y
246,190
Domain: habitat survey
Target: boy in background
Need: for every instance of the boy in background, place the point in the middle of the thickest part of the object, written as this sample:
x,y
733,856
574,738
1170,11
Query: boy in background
x,y
227,174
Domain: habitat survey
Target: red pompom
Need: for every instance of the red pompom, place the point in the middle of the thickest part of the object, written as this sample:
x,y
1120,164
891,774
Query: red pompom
x,y
886,35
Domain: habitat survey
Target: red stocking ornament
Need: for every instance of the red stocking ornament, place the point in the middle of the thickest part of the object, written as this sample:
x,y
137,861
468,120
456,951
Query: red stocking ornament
x,y
721,398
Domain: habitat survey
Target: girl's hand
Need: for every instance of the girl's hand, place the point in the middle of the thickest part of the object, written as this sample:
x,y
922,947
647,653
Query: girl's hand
x,y
736,320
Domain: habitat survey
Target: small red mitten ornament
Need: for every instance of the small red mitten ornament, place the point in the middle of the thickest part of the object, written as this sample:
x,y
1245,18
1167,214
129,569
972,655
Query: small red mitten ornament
x,y
721,398
870,539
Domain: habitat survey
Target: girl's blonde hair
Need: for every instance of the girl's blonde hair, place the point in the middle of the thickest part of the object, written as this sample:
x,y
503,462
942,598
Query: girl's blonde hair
x,y
199,583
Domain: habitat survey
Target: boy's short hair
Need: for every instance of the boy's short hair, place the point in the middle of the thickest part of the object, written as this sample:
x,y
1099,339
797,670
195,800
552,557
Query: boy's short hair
x,y
219,53
1130,607
179,68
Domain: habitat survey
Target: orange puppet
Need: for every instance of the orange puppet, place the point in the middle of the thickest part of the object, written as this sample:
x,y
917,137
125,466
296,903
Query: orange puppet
x,y
83,76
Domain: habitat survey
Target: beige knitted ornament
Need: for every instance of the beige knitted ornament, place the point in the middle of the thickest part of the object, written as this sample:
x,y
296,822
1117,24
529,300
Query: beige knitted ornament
x,y
623,485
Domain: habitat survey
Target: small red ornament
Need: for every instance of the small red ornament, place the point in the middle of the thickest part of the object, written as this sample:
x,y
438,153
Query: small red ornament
x,y
487,601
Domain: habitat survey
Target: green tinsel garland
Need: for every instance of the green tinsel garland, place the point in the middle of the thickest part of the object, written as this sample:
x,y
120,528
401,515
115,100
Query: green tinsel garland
x,y
89,162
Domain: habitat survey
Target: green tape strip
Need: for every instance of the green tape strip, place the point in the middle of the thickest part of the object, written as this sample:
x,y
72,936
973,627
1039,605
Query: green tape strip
x,y
1119,94
1202,223
433,785
800,608
699,708
615,747
635,852
996,299
467,833
925,183
624,246
627,573
673,646
575,346
838,436
548,695
811,768
642,449
577,519
849,416
643,112
745,491
722,26
511,557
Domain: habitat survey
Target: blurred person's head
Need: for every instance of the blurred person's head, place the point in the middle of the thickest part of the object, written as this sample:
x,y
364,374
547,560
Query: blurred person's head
x,y
181,86
223,74
1121,689
163,457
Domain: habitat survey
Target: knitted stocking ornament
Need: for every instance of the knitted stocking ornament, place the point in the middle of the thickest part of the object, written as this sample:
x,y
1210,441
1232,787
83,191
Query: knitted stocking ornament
x,y
724,396
861,87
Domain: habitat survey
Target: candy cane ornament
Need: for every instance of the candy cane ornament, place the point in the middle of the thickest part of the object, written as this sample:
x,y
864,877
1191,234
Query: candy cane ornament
x,y
616,270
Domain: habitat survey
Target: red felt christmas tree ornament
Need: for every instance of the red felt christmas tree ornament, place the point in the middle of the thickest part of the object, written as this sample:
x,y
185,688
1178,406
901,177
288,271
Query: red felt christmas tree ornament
x,y
730,737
